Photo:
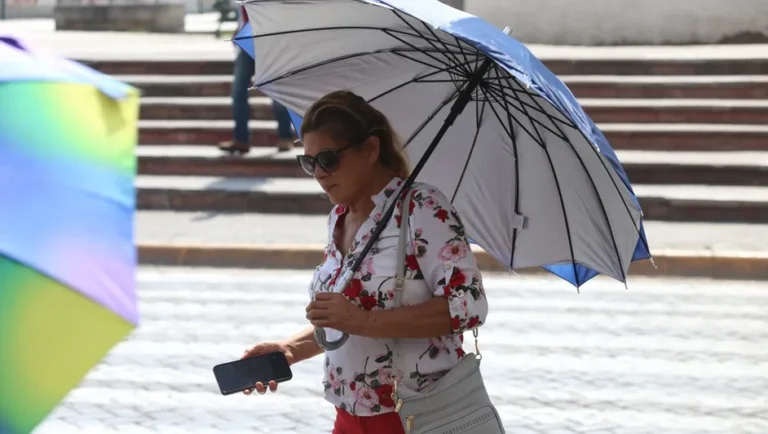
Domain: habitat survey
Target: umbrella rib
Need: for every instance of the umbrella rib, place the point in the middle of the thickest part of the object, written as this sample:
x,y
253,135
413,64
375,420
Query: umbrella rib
x,y
431,116
399,14
513,137
436,81
444,64
478,122
396,51
501,86
607,171
522,109
498,117
602,162
507,75
599,198
502,89
560,197
323,29
495,97
425,52
445,46
464,54
414,80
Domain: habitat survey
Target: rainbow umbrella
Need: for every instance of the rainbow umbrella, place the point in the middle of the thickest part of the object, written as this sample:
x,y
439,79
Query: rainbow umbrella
x,y
67,256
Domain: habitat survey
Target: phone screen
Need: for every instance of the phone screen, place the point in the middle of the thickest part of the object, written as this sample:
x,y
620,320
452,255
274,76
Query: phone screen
x,y
240,375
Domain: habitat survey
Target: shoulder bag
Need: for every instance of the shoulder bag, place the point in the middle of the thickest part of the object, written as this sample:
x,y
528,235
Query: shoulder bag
x,y
458,403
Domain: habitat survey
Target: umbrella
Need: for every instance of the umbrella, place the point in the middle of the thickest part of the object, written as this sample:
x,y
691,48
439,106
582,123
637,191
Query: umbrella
x,y
534,179
67,258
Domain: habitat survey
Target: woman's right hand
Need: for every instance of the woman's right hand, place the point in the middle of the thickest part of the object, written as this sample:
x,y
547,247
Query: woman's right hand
x,y
266,348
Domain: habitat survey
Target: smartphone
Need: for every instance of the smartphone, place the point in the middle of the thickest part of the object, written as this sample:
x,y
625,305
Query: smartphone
x,y
242,374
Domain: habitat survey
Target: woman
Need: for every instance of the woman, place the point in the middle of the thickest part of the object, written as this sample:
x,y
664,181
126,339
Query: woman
x,y
352,151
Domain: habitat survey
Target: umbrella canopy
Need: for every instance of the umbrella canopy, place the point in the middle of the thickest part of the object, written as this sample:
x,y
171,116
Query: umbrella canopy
x,y
534,179
67,255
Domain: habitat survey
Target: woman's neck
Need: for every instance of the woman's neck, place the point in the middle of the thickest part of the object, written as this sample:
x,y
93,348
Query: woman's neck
x,y
363,206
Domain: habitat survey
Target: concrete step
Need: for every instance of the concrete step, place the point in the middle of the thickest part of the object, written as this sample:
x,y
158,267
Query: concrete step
x,y
564,65
655,167
295,241
686,111
668,86
652,136
690,111
584,86
247,229
691,203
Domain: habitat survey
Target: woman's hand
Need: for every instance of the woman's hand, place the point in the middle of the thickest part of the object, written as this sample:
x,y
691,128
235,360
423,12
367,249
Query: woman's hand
x,y
334,310
266,348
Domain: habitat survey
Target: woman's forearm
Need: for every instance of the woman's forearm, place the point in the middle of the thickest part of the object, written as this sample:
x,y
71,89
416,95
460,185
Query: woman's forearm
x,y
303,345
425,320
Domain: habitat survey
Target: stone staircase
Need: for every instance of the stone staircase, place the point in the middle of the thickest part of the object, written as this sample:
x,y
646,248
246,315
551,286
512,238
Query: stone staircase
x,y
692,134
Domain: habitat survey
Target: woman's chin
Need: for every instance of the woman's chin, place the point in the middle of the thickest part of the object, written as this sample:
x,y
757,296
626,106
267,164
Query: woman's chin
x,y
335,199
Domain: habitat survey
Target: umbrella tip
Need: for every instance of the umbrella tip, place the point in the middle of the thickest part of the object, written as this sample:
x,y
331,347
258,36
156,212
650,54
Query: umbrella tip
x,y
507,30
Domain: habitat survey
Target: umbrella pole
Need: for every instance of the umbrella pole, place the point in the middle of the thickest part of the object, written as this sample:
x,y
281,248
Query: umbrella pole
x,y
458,106
465,96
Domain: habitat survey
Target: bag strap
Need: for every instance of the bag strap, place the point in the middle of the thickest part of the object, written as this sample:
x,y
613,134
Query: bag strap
x,y
402,247
402,251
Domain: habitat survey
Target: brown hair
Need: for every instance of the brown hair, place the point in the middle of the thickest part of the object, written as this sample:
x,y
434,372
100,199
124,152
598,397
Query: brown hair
x,y
348,118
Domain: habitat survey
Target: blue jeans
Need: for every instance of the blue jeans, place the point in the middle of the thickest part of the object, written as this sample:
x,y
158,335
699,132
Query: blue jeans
x,y
241,111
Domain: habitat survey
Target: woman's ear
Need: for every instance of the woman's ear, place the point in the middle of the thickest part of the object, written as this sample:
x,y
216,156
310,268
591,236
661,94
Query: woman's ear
x,y
372,146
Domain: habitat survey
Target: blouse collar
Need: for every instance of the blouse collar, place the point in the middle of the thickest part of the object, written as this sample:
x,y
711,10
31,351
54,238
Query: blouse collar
x,y
378,199
387,191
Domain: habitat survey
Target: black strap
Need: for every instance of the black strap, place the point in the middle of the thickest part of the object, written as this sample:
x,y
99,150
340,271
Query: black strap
x,y
382,223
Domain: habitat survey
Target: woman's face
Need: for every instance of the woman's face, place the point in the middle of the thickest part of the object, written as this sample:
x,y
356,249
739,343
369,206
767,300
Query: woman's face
x,y
347,181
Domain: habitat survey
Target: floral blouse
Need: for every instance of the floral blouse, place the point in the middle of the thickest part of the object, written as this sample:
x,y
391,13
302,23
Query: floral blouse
x,y
439,263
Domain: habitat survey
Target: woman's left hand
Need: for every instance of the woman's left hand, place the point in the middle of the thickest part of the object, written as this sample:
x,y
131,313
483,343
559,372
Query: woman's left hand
x,y
334,310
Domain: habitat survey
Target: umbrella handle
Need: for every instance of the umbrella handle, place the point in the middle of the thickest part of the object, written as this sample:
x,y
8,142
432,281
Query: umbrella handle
x,y
327,345
320,335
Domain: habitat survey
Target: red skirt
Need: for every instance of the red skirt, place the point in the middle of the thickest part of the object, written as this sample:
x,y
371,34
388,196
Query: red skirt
x,y
387,423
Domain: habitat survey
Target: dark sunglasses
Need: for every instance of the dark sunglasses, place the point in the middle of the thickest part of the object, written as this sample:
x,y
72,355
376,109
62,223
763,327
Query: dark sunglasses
x,y
328,159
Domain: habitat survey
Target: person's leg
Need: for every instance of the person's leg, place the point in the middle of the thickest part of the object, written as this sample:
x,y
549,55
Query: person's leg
x,y
241,111
284,132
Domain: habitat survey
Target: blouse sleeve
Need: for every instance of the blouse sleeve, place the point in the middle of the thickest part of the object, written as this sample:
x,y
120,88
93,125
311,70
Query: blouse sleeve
x,y
445,258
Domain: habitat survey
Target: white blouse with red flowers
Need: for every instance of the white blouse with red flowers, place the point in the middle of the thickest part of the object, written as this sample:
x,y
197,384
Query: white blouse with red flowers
x,y
439,263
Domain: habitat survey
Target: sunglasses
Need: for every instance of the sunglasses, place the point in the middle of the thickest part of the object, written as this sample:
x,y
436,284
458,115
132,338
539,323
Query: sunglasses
x,y
328,160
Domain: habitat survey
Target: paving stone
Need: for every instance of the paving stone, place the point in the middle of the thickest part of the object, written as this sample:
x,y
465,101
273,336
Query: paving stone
x,y
671,356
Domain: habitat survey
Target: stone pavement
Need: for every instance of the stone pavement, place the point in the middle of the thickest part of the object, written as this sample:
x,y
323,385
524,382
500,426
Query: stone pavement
x,y
664,356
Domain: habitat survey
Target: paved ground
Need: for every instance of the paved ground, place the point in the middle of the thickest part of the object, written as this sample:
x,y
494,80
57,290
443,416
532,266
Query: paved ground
x,y
664,356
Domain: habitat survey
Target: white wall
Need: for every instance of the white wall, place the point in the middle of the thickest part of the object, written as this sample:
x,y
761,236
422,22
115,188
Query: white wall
x,y
577,22
598,22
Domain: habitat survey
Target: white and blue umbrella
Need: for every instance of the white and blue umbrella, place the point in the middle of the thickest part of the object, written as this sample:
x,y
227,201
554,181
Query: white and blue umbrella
x,y
534,179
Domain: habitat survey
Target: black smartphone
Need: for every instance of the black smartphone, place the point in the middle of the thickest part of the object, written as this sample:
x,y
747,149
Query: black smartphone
x,y
243,374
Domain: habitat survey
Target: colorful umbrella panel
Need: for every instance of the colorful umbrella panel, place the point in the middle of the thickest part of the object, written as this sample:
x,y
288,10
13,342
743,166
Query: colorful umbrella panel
x,y
67,253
